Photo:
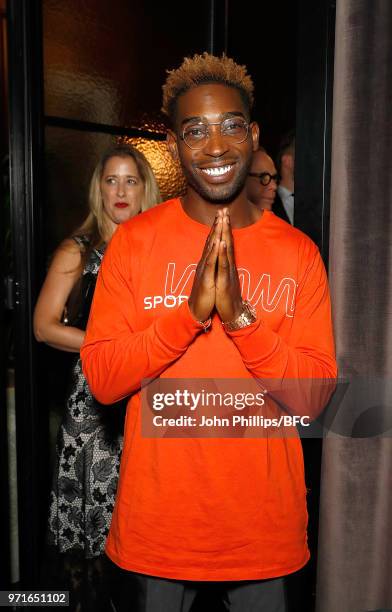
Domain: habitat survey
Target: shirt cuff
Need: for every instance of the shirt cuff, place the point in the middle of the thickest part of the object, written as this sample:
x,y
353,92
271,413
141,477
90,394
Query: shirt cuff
x,y
178,328
255,342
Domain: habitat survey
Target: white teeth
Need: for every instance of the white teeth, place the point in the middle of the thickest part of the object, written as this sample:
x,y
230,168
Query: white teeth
x,y
217,171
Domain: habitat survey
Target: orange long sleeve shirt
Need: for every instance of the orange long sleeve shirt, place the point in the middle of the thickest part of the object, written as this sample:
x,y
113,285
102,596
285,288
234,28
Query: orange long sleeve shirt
x,y
206,509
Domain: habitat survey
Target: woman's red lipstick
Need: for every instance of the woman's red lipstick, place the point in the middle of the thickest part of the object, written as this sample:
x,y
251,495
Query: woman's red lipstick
x,y
121,204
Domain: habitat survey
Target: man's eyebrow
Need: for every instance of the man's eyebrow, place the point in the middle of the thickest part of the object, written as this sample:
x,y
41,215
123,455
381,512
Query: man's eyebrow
x,y
233,114
199,119
189,119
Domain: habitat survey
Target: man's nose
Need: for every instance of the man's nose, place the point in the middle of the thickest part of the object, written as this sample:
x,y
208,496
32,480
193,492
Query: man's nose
x,y
216,144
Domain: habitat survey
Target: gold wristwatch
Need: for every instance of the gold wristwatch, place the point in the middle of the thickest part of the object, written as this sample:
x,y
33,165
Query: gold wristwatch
x,y
247,317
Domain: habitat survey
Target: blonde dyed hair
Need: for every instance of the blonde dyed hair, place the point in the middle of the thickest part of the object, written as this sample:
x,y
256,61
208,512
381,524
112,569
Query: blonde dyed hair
x,y
203,69
96,225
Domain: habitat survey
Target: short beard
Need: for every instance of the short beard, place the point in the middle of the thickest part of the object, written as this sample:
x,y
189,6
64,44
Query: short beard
x,y
225,196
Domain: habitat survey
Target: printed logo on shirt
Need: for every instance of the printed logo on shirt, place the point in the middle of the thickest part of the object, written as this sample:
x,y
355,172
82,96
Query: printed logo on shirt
x,y
264,291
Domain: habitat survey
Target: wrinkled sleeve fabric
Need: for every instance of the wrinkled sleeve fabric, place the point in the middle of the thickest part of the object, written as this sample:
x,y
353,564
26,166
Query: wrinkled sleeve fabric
x,y
116,357
307,354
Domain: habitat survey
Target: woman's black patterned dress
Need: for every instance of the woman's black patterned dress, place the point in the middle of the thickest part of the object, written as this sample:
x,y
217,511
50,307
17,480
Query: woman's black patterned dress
x,y
88,455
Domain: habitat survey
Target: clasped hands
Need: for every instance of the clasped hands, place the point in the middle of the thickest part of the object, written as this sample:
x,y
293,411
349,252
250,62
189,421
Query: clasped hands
x,y
216,283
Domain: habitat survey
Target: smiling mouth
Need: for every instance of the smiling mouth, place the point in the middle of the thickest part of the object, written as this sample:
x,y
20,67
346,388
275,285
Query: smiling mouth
x,y
217,171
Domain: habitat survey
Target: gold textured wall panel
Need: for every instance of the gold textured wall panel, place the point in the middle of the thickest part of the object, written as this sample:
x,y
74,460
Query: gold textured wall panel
x,y
167,172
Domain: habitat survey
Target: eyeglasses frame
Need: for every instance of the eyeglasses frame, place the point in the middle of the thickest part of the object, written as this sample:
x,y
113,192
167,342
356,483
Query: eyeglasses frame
x,y
272,177
246,123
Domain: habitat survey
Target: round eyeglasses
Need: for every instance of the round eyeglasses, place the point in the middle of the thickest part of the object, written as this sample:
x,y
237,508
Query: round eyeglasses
x,y
265,177
196,135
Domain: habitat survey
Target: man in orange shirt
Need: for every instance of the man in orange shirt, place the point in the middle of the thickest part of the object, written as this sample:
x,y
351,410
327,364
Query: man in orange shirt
x,y
208,287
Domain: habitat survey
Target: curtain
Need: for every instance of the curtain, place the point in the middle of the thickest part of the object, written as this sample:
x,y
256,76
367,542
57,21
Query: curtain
x,y
355,539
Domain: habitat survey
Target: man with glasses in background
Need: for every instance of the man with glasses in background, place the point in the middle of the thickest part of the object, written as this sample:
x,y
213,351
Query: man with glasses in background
x,y
262,183
205,287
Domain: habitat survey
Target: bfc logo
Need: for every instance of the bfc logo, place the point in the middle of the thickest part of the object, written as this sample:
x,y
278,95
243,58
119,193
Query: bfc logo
x,y
269,294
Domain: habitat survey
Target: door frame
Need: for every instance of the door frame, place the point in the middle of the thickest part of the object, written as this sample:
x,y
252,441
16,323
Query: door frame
x,y
26,195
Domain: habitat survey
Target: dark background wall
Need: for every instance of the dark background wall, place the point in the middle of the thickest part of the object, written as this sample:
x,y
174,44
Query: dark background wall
x,y
263,35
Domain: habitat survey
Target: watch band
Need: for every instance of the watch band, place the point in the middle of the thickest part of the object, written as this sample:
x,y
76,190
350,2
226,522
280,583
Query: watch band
x,y
246,318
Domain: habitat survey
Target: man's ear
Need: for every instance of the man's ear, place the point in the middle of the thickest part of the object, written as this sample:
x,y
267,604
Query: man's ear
x,y
288,161
171,143
255,133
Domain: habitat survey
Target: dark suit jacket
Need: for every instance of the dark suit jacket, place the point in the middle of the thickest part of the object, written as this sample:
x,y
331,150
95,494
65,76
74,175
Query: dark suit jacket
x,y
279,209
